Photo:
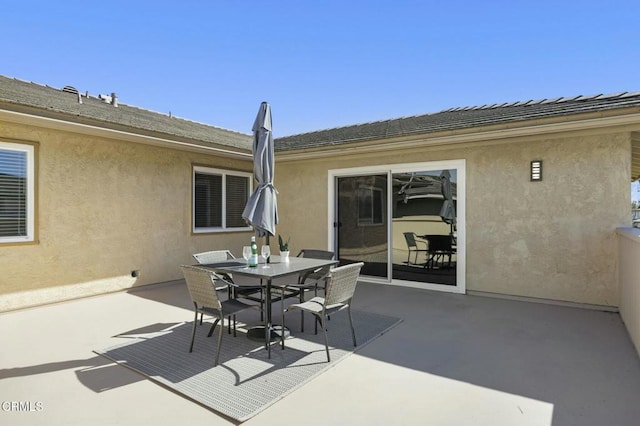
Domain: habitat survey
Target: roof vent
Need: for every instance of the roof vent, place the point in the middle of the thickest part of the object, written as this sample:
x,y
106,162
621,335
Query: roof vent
x,y
105,98
74,91
70,89
113,99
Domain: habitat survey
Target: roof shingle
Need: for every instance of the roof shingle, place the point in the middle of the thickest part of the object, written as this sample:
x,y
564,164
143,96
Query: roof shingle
x,y
460,118
45,100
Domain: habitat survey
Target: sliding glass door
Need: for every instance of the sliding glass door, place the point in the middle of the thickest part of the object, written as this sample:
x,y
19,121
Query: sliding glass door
x,y
362,224
406,222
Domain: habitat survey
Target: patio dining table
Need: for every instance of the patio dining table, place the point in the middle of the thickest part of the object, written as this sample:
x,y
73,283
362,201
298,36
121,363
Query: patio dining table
x,y
266,273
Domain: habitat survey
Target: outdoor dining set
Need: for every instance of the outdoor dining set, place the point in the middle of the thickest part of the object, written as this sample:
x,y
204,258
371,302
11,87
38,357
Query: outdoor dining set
x,y
221,285
252,285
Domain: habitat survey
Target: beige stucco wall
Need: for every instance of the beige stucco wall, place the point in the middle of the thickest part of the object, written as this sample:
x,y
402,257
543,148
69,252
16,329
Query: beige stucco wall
x,y
553,239
106,208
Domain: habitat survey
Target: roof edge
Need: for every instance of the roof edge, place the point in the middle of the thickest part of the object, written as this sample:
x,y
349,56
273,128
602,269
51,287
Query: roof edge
x,y
93,130
456,138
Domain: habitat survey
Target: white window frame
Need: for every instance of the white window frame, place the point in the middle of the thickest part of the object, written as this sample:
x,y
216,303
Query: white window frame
x,y
223,173
31,185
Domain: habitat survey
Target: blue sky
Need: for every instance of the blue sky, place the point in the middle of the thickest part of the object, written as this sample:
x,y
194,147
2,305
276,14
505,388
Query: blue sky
x,y
322,64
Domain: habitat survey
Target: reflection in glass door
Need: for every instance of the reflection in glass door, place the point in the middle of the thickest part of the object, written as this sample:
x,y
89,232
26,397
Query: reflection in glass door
x,y
362,222
404,221
424,226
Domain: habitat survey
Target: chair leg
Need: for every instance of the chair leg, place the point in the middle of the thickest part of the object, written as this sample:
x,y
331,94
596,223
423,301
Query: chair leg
x,y
201,315
220,332
353,332
193,332
301,298
234,325
326,341
213,327
429,264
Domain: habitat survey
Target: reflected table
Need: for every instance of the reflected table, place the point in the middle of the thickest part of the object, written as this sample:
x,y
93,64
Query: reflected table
x,y
438,247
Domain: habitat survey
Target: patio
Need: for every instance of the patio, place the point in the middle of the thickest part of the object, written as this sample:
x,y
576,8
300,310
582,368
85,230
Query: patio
x,y
455,360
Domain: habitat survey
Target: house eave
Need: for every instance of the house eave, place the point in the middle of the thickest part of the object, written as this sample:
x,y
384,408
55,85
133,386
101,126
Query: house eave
x,y
121,135
493,134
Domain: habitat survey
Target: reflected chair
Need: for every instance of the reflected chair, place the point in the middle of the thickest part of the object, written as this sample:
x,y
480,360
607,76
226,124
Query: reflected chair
x,y
311,280
253,293
201,286
338,296
412,246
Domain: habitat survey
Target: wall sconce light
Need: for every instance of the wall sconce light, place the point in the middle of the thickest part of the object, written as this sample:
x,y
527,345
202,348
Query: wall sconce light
x,y
536,170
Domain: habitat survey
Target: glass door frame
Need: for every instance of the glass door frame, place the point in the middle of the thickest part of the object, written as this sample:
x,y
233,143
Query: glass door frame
x,y
390,169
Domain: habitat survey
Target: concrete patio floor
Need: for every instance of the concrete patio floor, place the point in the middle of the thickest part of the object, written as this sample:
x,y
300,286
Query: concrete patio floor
x,y
455,360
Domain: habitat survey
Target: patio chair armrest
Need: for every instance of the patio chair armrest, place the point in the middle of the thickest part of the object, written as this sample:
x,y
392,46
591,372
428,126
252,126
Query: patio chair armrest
x,y
224,277
316,275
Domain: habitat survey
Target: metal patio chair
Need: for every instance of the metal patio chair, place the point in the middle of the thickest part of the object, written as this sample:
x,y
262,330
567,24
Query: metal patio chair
x,y
312,280
253,293
204,296
214,256
338,296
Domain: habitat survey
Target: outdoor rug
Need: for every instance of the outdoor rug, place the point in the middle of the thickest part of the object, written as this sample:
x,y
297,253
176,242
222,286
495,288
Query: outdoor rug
x,y
246,381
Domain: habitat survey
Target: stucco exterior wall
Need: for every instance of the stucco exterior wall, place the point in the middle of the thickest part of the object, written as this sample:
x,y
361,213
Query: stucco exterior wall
x,y
106,208
109,207
553,239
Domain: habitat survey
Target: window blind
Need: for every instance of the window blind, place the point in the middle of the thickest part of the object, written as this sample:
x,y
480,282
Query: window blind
x,y
13,193
237,195
208,200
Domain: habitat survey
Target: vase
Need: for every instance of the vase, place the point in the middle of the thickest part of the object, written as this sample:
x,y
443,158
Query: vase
x,y
284,256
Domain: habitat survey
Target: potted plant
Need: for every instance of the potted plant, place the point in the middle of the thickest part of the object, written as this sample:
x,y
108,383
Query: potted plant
x,y
284,248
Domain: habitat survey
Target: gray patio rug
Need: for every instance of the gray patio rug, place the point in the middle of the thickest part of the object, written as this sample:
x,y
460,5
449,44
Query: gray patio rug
x,y
246,381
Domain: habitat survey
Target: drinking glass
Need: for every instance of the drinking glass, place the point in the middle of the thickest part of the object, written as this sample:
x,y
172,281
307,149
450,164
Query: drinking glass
x,y
266,252
246,253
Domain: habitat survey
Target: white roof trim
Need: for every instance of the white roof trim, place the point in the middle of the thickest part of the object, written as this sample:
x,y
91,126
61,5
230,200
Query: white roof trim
x,y
53,123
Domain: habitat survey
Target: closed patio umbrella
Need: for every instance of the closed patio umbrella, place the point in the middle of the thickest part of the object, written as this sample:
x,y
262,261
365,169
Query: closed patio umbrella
x,y
261,209
448,210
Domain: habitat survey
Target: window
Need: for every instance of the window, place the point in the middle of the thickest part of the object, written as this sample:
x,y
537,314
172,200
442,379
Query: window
x,y
370,206
17,193
219,198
